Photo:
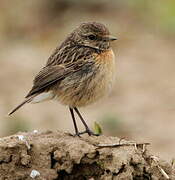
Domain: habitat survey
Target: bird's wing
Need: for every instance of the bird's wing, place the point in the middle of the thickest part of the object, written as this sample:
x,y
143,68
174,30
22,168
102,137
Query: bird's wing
x,y
50,75
68,54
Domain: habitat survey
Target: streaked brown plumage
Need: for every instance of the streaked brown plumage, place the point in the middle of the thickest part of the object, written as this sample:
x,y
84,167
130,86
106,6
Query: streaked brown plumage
x,y
78,73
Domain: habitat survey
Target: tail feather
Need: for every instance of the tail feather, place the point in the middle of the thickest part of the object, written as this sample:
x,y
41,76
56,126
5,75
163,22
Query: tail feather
x,y
20,105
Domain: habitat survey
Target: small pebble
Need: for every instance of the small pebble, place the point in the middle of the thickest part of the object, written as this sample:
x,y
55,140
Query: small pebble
x,y
35,131
34,173
21,137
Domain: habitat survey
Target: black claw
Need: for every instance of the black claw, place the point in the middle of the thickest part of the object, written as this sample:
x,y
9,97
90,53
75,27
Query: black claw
x,y
91,133
88,131
75,135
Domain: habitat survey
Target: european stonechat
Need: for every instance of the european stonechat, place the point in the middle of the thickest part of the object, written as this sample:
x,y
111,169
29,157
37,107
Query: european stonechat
x,y
79,72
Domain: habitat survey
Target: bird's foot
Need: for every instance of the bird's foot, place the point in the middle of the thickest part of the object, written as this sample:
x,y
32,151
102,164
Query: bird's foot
x,y
88,131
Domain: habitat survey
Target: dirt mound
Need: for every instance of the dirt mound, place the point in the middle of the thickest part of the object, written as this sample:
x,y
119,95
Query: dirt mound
x,y
57,155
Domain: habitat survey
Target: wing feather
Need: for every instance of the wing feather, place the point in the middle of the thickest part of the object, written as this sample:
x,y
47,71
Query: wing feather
x,y
52,74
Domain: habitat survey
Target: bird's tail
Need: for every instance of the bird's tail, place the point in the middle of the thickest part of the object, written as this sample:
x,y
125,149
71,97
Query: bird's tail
x,y
20,105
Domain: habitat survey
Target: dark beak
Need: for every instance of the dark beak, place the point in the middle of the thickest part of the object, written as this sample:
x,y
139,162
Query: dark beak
x,y
110,38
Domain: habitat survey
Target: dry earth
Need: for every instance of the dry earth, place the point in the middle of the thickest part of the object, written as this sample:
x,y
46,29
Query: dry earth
x,y
60,156
142,101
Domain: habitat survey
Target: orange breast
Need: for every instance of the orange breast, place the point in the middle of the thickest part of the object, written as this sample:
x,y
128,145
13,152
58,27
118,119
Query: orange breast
x,y
81,91
105,57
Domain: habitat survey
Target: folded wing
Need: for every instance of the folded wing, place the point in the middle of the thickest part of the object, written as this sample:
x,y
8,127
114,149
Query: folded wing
x,y
53,74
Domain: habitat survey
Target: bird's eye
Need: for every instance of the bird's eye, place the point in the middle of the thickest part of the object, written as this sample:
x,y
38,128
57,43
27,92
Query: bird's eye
x,y
92,37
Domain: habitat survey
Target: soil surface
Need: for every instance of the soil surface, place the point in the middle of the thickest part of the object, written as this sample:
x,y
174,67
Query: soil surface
x,y
61,156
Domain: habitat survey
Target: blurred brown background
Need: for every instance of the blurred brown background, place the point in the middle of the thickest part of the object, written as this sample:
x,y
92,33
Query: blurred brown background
x,y
141,106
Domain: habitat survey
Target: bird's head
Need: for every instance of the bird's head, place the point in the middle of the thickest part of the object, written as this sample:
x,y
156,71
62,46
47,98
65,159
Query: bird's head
x,y
94,35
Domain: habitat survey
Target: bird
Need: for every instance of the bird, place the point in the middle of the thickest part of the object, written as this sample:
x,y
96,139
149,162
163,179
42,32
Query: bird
x,y
79,72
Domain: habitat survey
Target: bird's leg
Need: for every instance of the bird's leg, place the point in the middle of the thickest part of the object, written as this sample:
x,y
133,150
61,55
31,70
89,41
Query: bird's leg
x,y
73,118
84,123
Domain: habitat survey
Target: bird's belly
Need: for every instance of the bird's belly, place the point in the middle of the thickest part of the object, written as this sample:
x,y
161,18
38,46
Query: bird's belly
x,y
77,91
